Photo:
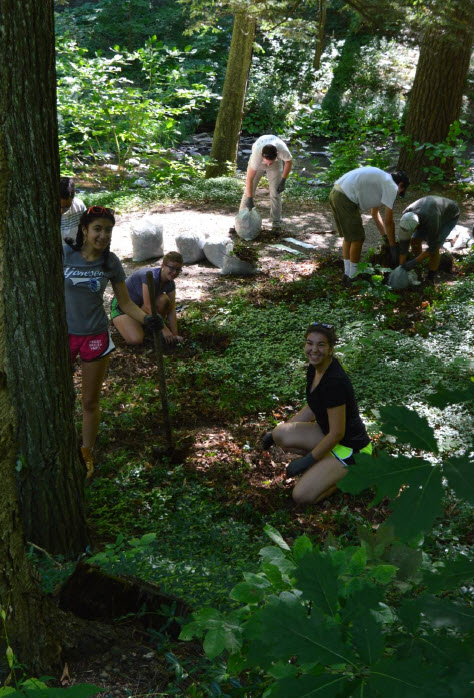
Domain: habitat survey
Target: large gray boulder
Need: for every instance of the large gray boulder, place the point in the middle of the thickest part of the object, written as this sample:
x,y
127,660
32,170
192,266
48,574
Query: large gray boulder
x,y
147,238
216,247
248,224
190,245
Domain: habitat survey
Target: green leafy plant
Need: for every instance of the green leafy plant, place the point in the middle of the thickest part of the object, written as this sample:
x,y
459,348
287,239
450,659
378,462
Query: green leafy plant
x,y
101,107
373,289
443,156
359,620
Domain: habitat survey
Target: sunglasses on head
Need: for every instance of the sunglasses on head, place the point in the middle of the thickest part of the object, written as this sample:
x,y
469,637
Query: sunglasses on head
x,y
322,324
98,210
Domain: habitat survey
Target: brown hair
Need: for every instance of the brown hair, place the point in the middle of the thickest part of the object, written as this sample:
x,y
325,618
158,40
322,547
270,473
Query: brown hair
x,y
173,257
324,329
269,152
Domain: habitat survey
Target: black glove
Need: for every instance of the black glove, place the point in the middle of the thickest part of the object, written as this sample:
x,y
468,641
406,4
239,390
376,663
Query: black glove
x,y
154,323
249,202
281,186
299,465
393,255
267,440
431,275
410,265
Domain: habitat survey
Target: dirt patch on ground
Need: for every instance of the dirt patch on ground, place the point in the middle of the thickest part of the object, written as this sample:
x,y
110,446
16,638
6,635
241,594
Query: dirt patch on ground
x,y
311,224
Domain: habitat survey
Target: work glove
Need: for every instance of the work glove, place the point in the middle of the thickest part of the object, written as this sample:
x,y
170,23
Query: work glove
x,y
267,440
249,203
281,186
299,465
154,323
410,265
393,256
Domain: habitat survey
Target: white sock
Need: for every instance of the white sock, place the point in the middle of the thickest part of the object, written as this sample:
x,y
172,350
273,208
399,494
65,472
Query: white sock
x,y
347,266
352,268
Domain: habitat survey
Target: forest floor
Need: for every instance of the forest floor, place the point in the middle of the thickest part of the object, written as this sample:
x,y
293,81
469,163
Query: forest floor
x,y
211,446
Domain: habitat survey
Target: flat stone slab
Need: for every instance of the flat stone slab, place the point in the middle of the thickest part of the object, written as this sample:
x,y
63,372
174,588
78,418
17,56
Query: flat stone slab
x,y
303,246
285,248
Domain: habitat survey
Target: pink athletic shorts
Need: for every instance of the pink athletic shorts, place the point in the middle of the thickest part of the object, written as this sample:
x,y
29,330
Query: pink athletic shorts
x,y
90,347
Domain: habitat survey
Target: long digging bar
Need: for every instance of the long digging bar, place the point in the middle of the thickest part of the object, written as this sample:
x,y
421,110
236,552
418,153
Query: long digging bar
x,y
160,364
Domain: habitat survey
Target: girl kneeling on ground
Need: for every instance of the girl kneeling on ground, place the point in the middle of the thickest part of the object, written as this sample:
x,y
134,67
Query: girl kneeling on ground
x,y
328,429
165,295
88,267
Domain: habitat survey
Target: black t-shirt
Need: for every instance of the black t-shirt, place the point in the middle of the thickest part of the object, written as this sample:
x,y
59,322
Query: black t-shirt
x,y
333,390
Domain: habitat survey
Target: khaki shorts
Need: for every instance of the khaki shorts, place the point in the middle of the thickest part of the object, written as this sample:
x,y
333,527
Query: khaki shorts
x,y
347,216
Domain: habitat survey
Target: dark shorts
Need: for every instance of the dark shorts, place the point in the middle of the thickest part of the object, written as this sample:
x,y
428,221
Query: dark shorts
x,y
345,455
347,216
90,347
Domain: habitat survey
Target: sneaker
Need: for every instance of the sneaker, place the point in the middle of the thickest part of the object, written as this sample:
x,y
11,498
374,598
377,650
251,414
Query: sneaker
x,y
88,461
276,228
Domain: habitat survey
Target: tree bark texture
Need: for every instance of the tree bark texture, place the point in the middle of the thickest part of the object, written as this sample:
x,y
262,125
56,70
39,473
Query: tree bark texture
x,y
35,365
229,118
343,75
436,97
320,40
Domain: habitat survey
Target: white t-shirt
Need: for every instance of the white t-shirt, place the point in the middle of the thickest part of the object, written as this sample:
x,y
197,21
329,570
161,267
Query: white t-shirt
x,y
70,219
369,187
256,157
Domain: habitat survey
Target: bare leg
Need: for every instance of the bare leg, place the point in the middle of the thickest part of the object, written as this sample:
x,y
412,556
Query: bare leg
x,y
315,483
130,329
93,374
434,261
319,481
355,250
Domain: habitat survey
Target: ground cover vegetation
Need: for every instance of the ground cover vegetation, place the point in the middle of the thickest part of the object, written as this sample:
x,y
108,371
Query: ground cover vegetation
x,y
196,527
394,600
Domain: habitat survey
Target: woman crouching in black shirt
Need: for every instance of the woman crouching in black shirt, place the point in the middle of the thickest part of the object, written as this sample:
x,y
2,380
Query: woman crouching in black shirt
x,y
328,429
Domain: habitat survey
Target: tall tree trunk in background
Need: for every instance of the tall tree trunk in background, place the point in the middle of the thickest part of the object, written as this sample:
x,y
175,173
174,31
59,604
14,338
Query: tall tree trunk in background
x,y
229,118
436,97
35,371
320,40
344,71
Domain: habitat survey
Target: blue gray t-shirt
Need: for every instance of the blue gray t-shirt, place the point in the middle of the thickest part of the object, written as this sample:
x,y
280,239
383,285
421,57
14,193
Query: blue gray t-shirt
x,y
84,286
138,278
437,216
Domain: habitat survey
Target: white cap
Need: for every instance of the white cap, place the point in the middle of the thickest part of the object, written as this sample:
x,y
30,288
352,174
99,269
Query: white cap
x,y
408,224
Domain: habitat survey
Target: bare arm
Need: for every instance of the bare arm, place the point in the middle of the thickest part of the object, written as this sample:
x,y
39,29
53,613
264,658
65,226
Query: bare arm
x,y
304,415
249,182
421,257
337,428
390,226
287,168
377,218
146,299
171,317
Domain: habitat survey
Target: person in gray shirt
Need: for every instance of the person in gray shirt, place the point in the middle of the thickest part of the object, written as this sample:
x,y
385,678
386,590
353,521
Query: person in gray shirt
x,y
88,267
429,219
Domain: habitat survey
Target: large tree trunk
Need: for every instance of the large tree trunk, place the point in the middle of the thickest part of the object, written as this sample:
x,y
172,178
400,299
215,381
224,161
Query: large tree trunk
x,y
344,71
229,118
436,97
35,366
